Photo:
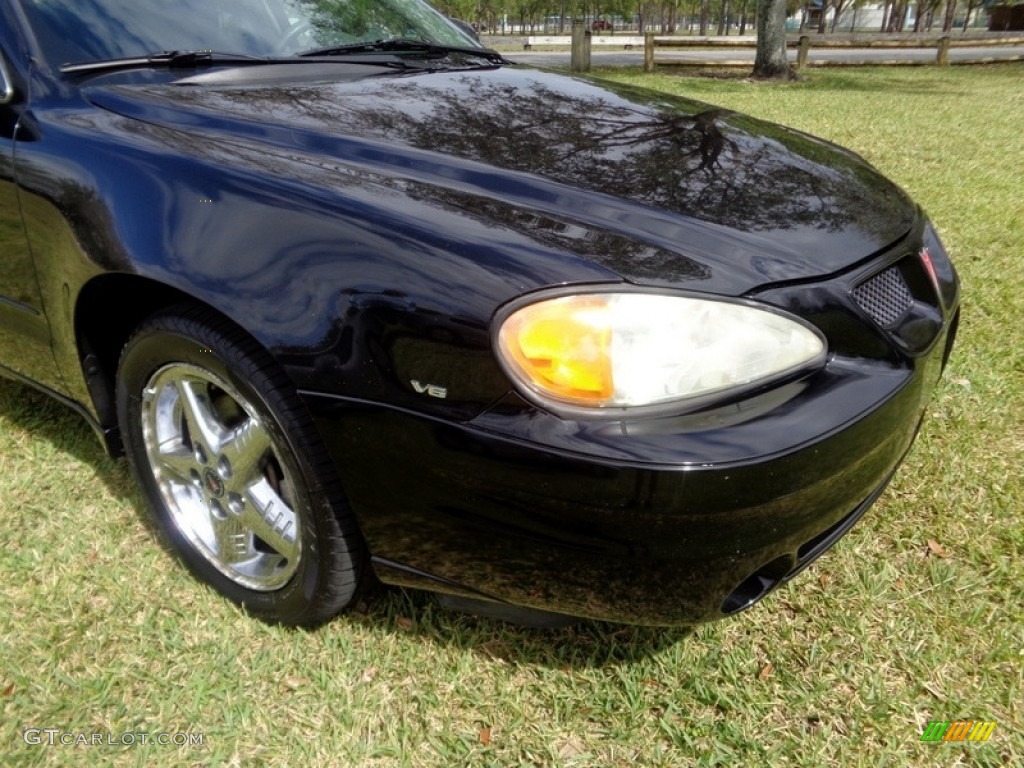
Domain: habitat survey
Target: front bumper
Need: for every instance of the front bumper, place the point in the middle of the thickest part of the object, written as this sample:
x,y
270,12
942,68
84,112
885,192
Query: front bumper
x,y
512,508
673,520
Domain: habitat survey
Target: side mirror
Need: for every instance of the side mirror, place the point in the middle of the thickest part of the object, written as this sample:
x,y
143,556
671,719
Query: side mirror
x,y
466,27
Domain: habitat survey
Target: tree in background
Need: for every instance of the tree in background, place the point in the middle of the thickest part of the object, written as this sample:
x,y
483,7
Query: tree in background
x,y
770,61
947,20
672,16
924,14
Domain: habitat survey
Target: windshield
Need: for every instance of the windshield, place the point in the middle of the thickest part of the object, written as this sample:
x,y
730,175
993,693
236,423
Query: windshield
x,y
97,30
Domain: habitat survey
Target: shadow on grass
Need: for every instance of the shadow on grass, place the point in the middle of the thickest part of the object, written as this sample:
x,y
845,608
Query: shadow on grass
x,y
585,644
400,611
66,431
904,81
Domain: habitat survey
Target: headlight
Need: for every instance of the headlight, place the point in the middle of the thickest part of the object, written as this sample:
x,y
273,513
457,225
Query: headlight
x,y
633,349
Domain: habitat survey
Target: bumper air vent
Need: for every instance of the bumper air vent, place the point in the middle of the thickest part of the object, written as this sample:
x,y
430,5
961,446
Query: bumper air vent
x,y
885,297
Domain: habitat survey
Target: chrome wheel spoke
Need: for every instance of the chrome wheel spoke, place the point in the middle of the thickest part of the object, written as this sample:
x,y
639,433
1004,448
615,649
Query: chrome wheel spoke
x,y
233,539
176,463
269,517
202,421
245,446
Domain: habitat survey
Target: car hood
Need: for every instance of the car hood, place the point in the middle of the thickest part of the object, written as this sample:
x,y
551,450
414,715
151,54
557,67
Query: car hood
x,y
700,192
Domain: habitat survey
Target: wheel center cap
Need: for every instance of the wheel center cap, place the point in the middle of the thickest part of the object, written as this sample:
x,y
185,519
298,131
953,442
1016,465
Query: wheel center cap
x,y
213,484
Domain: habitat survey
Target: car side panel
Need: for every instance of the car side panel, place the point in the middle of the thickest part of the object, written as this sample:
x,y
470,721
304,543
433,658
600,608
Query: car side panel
x,y
24,332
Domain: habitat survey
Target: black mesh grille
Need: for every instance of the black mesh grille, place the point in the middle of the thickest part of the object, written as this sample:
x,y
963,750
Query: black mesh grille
x,y
885,297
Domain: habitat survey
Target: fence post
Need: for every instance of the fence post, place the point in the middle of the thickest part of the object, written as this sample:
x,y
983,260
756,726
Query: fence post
x,y
942,57
580,59
649,52
803,52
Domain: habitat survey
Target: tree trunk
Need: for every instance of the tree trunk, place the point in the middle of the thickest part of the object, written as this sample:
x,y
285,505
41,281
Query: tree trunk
x,y
896,16
837,11
705,8
770,62
967,19
947,21
885,16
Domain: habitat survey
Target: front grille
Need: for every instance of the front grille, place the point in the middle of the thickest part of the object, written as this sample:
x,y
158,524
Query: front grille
x,y
885,297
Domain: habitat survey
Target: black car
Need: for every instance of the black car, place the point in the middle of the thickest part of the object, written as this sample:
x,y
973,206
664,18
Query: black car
x,y
356,297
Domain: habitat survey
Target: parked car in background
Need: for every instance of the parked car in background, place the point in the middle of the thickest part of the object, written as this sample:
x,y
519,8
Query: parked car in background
x,y
358,298
601,25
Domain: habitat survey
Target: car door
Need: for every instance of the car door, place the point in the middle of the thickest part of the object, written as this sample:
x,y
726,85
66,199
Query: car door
x,y
24,331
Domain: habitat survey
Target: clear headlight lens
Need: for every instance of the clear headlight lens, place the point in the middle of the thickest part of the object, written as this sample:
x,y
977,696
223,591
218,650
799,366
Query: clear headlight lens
x,y
633,349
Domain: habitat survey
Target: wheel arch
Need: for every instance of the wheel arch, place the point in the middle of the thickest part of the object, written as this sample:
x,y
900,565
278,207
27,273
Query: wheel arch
x,y
100,335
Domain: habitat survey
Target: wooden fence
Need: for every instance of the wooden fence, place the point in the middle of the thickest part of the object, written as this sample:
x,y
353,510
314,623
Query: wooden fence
x,y
583,40
804,43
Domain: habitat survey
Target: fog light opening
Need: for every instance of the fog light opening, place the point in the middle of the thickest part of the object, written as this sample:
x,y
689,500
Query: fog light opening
x,y
758,584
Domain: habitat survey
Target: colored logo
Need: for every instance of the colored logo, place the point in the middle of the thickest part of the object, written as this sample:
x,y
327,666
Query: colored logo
x,y
959,730
929,267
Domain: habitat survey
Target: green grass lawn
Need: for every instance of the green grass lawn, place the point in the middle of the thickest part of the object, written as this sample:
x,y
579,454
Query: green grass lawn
x,y
101,632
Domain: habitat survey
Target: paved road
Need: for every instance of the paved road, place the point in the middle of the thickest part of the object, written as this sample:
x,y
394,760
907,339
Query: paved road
x,y
745,56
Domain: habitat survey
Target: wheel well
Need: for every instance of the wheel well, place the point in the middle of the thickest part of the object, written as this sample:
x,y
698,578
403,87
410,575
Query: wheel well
x,y
108,310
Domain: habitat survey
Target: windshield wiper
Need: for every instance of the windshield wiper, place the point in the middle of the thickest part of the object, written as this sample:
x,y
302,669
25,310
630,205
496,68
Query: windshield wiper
x,y
402,45
192,59
169,59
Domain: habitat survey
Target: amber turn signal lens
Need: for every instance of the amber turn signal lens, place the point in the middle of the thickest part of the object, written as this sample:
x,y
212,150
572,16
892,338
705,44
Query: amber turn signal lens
x,y
564,347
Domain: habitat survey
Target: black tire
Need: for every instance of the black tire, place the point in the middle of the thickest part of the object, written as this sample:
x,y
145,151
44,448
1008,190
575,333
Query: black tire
x,y
235,475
